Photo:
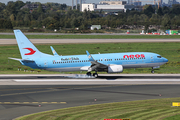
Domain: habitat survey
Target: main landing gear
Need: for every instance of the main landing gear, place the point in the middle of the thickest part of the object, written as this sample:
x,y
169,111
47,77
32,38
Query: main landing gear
x,y
94,74
152,71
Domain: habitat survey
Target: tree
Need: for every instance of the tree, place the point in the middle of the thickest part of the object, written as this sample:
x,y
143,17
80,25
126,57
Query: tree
x,y
11,8
160,12
155,19
5,24
18,4
165,10
175,9
166,23
75,22
40,9
46,21
2,7
26,18
148,10
35,14
12,17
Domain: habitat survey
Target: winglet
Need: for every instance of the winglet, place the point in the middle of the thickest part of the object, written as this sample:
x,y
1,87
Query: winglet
x,y
53,51
91,59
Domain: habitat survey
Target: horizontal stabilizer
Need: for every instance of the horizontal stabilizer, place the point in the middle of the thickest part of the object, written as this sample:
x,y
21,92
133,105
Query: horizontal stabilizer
x,y
27,60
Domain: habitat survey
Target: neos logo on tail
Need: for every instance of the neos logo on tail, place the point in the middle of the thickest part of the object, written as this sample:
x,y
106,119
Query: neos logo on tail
x,y
31,51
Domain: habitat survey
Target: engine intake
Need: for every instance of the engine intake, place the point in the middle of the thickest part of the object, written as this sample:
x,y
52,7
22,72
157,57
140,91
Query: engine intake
x,y
115,69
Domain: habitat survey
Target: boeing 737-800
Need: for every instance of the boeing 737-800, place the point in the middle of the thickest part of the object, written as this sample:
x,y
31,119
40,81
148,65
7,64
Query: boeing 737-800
x,y
110,62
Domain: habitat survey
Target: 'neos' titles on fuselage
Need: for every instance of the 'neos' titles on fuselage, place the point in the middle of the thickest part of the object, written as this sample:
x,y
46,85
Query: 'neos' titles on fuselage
x,y
75,62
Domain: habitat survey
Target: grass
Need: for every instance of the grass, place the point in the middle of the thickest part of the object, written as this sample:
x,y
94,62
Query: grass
x,y
156,109
80,36
171,51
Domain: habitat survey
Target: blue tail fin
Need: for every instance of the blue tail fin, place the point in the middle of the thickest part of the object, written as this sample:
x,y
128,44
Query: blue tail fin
x,y
26,48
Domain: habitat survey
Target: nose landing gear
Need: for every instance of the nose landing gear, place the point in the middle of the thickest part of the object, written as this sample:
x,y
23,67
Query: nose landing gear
x,y
152,71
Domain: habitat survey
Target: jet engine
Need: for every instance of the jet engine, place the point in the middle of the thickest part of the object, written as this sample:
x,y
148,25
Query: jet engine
x,y
115,69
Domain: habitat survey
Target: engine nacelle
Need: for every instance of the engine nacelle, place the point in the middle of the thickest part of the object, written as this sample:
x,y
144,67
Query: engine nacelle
x,y
115,69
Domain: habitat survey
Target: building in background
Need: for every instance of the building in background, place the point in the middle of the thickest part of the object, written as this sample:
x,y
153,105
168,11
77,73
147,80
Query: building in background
x,y
97,27
171,2
108,6
113,2
80,4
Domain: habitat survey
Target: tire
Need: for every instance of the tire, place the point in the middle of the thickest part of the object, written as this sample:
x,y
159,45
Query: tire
x,y
95,75
88,74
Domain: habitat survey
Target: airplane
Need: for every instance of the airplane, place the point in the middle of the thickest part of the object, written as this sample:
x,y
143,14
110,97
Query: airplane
x,y
109,62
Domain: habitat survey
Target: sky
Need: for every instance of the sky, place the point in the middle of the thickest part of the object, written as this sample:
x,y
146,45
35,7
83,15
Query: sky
x,y
68,2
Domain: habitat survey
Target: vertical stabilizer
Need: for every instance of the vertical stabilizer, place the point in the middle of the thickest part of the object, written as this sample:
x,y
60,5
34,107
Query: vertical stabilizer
x,y
26,48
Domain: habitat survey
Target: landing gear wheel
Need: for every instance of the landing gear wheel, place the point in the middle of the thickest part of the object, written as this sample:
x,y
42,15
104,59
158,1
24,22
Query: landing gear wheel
x,y
152,71
88,73
95,75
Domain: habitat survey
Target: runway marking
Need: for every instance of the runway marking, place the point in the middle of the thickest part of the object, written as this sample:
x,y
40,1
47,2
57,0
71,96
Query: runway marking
x,y
25,102
93,86
6,102
44,102
16,102
33,103
53,102
31,92
52,89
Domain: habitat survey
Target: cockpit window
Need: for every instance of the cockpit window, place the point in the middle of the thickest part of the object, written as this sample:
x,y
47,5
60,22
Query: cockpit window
x,y
158,56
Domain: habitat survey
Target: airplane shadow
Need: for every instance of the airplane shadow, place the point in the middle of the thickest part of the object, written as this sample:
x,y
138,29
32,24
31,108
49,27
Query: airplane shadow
x,y
138,77
99,77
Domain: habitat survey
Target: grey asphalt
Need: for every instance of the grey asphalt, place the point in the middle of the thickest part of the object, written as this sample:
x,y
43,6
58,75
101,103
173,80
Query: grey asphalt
x,y
75,96
75,41
19,100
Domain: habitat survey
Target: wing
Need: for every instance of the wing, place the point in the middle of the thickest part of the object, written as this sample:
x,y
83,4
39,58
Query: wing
x,y
94,64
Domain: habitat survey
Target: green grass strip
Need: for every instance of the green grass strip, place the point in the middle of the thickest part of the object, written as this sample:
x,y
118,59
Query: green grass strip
x,y
167,115
136,110
171,116
80,36
155,114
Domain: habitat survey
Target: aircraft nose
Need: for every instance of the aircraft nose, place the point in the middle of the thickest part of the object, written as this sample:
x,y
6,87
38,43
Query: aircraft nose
x,y
165,60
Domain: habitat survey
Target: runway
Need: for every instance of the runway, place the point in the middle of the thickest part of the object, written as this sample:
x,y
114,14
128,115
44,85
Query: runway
x,y
77,41
29,91
103,79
